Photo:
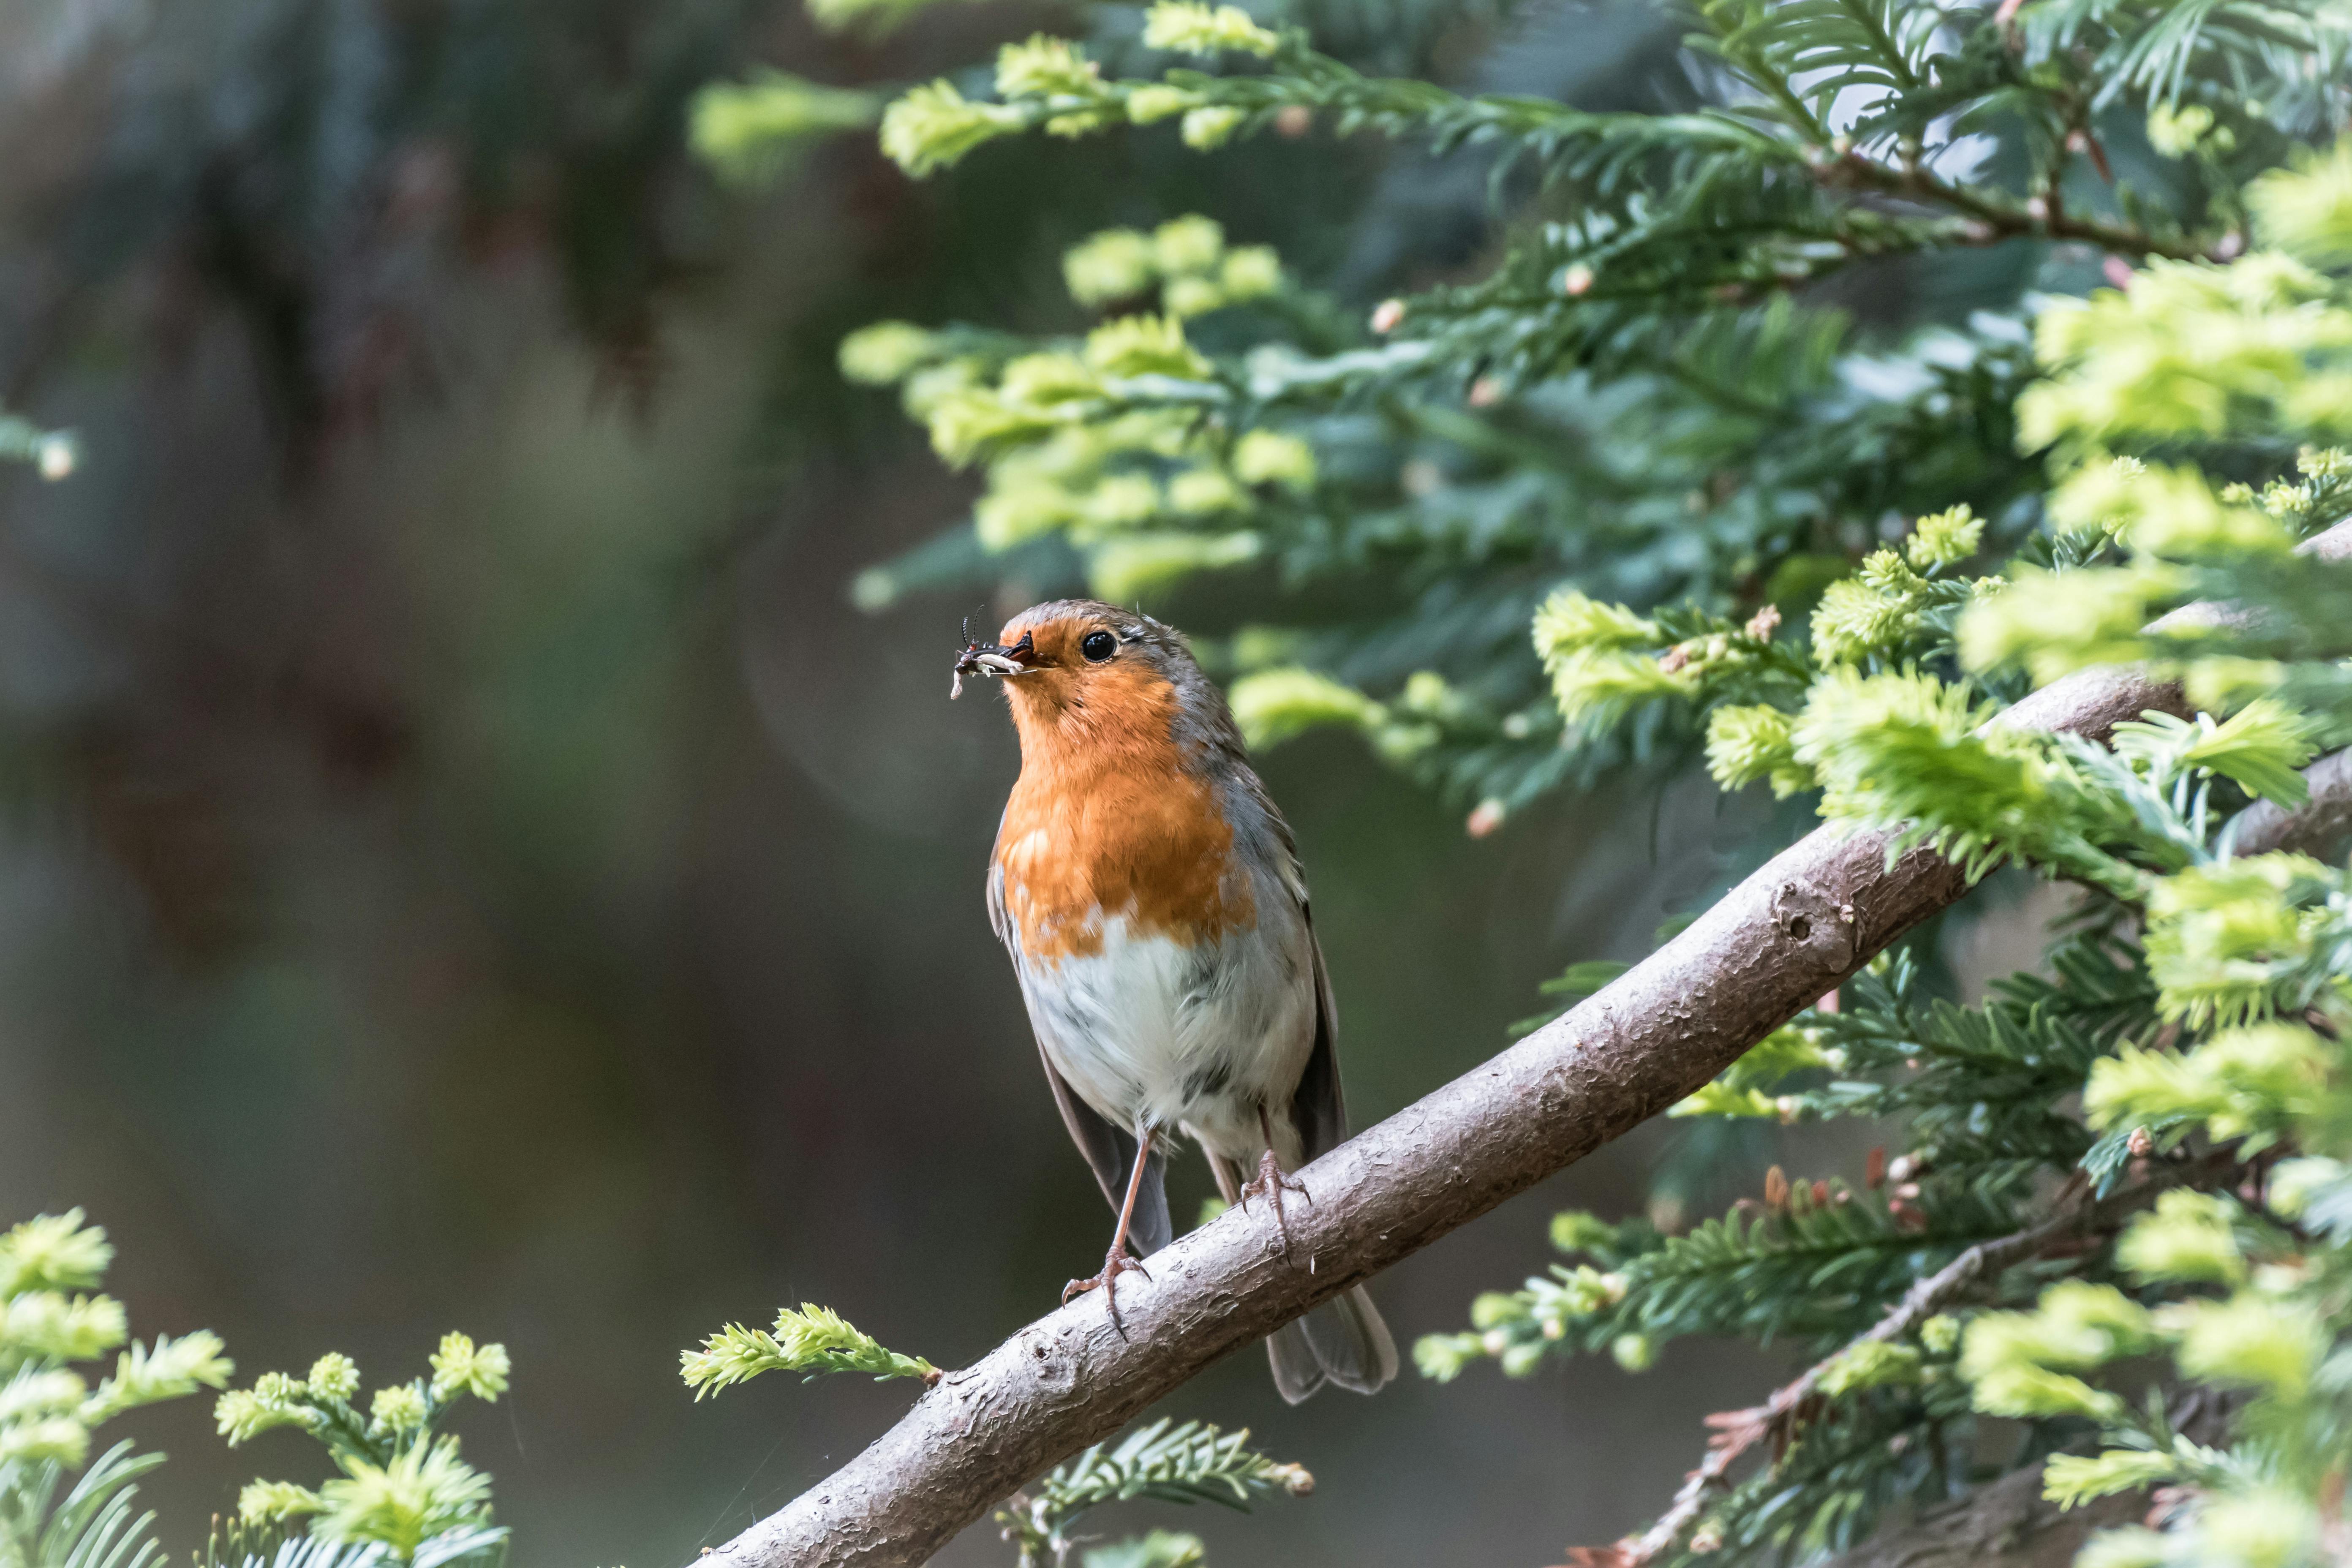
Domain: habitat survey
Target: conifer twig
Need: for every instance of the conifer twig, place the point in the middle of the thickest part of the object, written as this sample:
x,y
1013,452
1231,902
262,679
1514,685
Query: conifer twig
x,y
1996,218
1736,1431
2010,1523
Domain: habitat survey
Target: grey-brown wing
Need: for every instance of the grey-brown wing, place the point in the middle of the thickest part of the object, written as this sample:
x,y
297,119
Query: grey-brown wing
x,y
1097,1140
1317,1106
1318,1110
1110,1155
1109,1152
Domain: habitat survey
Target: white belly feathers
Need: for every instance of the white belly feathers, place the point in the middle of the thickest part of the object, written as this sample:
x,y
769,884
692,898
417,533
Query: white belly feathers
x,y
1146,1031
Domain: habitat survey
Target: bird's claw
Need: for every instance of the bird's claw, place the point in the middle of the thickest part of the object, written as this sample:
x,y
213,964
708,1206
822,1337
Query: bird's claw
x,y
1271,1182
1115,1264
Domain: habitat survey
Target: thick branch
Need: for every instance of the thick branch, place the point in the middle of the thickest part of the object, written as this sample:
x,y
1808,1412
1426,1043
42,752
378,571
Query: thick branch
x,y
2320,827
1794,930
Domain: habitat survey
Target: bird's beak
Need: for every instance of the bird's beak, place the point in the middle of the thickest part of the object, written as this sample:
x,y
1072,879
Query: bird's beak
x,y
993,658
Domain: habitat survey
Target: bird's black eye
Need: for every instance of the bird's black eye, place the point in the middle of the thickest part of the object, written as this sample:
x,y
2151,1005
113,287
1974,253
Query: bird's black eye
x,y
1098,647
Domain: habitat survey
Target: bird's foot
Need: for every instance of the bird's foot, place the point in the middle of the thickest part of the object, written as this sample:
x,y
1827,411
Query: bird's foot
x,y
1115,1264
1271,1183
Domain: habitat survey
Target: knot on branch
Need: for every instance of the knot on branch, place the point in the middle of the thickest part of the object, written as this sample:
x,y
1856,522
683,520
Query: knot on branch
x,y
1810,919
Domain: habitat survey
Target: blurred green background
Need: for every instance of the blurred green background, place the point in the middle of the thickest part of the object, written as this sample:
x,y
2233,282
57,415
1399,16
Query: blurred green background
x,y
467,864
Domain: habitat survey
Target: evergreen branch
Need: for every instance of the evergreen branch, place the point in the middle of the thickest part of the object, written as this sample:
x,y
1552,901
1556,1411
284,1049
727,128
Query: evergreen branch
x,y
816,1341
1167,1461
1737,1431
2009,1523
1995,219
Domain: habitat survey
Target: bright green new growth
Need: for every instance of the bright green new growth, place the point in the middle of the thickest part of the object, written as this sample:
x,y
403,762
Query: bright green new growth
x,y
53,1401
2189,1239
1192,28
1871,1364
1186,259
53,1252
2069,1479
1075,434
814,1341
748,132
1272,705
422,1493
402,1488
932,127
1753,743
2308,211
1945,540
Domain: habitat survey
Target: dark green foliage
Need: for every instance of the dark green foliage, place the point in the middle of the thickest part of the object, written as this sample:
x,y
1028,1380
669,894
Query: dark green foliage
x,y
1983,1089
1654,393
1164,1461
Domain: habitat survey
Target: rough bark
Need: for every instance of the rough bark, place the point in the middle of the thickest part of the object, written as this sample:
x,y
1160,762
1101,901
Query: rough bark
x,y
1792,931
2321,826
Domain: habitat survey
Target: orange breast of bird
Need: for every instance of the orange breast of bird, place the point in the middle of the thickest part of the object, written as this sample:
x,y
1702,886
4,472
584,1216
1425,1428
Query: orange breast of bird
x,y
1108,821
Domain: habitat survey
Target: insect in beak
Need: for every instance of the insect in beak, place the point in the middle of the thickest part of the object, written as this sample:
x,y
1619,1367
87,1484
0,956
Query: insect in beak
x,y
992,658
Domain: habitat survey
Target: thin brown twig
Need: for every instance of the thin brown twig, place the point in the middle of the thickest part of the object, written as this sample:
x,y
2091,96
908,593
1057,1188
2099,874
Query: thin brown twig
x,y
1736,1431
2001,219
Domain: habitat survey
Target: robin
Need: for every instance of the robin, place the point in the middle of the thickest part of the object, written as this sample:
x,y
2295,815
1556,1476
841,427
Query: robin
x,y
1153,904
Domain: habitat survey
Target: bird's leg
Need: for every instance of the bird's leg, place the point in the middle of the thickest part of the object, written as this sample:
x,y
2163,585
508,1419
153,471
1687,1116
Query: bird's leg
x,y
1270,1182
1118,1262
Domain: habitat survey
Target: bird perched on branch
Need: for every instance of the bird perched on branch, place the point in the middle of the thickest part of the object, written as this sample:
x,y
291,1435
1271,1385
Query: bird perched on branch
x,y
1152,900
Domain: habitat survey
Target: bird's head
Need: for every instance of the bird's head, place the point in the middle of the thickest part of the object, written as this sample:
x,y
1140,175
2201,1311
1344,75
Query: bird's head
x,y
1079,668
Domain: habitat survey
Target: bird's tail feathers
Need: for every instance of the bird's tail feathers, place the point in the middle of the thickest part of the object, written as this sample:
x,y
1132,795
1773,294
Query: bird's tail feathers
x,y
1342,1342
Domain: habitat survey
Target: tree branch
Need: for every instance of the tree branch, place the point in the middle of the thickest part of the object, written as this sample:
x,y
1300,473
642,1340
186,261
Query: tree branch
x,y
1993,218
1795,930
2008,1523
2319,827
1736,1431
